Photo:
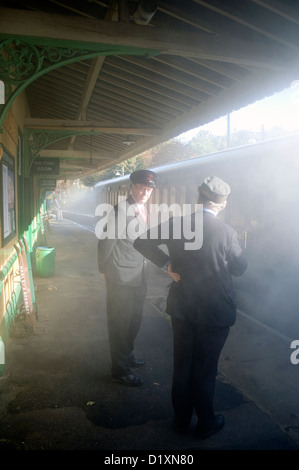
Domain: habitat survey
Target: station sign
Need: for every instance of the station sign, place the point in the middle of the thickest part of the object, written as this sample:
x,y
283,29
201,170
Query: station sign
x,y
45,166
47,184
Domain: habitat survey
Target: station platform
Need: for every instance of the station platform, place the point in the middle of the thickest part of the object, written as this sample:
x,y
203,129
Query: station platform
x,y
57,394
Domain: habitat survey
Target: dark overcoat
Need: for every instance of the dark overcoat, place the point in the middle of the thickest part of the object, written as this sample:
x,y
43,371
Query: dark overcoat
x,y
205,292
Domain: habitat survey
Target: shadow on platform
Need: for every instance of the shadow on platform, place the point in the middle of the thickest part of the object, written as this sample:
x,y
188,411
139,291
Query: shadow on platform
x,y
56,393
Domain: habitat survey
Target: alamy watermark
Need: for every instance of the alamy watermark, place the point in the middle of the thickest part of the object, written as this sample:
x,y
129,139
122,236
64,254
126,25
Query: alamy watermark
x,y
295,354
164,221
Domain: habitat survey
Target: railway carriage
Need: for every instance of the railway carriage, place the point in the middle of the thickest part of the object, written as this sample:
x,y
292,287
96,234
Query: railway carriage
x,y
263,209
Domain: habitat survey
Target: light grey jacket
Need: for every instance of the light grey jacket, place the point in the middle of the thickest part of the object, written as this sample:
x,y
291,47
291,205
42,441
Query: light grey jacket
x,y
117,258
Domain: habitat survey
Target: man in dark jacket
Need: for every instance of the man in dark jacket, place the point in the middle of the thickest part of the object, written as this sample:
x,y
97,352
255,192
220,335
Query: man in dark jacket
x,y
201,303
124,270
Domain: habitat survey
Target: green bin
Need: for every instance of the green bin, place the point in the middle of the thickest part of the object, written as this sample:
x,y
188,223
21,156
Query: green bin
x,y
45,261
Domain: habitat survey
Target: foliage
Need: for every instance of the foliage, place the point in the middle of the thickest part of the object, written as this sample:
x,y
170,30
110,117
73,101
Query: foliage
x,y
176,149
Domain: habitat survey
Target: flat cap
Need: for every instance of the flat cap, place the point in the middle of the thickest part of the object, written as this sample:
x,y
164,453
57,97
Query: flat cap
x,y
214,189
146,177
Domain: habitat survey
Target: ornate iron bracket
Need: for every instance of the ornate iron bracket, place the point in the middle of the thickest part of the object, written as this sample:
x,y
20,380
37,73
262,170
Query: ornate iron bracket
x,y
23,60
35,140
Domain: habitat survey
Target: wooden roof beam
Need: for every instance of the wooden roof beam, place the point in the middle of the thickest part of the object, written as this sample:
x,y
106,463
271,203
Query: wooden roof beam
x,y
92,77
279,8
60,124
22,23
240,15
74,155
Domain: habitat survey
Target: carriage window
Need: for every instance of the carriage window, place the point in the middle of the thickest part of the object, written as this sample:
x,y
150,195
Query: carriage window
x,y
156,196
165,195
236,212
182,196
172,196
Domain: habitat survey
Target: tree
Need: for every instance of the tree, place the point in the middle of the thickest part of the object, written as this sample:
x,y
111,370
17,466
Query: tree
x,y
176,149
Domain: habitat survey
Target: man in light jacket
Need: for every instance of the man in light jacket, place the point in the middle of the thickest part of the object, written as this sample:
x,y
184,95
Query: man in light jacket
x,y
125,274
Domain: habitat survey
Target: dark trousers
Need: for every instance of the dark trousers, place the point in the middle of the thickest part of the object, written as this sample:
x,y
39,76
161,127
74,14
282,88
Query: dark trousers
x,y
197,348
124,315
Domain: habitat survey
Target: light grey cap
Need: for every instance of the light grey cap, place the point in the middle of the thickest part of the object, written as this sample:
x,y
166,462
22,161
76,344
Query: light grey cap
x,y
214,189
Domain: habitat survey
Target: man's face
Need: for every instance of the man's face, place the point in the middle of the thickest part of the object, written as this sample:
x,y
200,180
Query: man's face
x,y
141,193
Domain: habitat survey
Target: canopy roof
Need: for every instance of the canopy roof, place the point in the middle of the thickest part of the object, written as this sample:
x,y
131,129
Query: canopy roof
x,y
106,80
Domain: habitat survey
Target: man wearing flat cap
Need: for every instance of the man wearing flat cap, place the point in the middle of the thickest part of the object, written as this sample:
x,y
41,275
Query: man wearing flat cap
x,y
202,305
124,270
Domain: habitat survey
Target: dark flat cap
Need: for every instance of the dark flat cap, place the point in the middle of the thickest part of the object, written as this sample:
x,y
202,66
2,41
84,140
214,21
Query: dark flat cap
x,y
214,189
146,177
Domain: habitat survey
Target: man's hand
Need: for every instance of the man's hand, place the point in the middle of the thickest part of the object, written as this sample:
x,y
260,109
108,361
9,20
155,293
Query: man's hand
x,y
175,276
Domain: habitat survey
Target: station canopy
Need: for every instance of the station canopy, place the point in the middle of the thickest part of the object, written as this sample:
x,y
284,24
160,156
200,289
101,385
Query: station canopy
x,y
107,80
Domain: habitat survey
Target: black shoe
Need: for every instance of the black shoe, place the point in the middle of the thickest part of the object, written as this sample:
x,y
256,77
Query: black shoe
x,y
136,362
216,426
129,380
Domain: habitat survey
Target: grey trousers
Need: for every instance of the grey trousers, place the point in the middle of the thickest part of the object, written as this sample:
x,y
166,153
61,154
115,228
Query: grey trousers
x,y
124,315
